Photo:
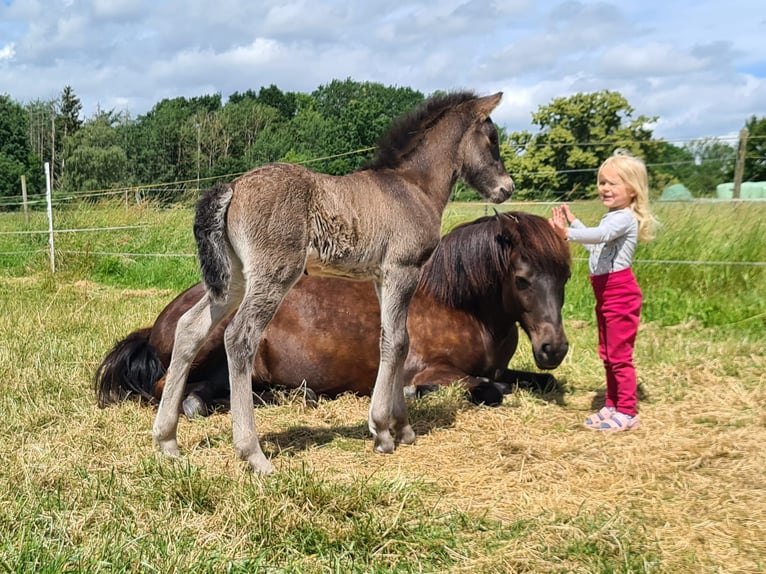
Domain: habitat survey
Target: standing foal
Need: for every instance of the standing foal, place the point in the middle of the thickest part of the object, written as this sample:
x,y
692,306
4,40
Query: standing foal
x,y
258,234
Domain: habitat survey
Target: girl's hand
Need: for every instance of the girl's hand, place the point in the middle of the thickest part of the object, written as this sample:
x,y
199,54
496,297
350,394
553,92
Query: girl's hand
x,y
568,215
558,222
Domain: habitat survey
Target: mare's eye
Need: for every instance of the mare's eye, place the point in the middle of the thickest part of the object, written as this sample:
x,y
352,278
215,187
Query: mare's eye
x,y
522,283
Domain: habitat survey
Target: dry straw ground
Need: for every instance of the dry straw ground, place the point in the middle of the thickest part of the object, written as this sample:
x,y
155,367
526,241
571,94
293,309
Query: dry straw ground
x,y
536,491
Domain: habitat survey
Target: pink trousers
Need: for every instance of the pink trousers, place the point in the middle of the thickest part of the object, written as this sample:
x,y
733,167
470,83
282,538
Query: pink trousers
x,y
618,311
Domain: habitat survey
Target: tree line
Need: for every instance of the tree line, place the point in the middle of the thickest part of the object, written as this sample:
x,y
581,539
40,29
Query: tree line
x,y
187,143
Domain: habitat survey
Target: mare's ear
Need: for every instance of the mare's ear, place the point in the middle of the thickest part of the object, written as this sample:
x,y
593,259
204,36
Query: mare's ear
x,y
504,239
503,236
485,105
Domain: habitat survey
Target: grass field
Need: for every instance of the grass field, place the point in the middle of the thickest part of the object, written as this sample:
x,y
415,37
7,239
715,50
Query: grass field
x,y
518,488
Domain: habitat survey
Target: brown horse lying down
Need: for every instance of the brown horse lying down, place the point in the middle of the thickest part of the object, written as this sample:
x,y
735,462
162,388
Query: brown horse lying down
x,y
484,278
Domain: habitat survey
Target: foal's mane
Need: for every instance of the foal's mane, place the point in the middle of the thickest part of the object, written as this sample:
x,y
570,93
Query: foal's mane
x,y
407,130
472,261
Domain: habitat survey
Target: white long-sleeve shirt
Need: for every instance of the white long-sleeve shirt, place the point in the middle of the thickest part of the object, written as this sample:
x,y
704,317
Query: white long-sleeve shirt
x,y
611,244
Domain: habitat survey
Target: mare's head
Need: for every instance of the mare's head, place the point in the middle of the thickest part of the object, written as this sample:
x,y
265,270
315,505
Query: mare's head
x,y
540,268
509,266
460,137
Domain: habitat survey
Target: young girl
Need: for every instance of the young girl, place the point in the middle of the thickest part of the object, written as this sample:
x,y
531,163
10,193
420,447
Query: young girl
x,y
623,188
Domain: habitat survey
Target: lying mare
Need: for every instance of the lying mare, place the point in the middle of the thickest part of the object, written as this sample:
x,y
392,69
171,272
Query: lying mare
x,y
257,235
484,278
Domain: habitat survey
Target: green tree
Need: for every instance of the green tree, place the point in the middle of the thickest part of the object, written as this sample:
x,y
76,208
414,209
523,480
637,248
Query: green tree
x,y
16,158
356,114
285,103
13,129
575,135
245,123
162,148
755,153
305,139
42,116
671,164
713,163
68,121
93,156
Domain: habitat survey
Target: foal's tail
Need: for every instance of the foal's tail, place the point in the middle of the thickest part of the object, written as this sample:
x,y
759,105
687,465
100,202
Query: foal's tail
x,y
210,233
130,370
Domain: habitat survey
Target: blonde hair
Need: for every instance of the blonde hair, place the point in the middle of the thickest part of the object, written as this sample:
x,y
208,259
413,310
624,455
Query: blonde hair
x,y
632,171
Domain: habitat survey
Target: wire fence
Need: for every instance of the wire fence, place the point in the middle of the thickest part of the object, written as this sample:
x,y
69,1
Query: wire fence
x,y
52,250
141,192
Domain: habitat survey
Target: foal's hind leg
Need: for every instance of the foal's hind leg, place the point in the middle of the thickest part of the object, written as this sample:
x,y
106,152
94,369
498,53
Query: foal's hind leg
x,y
243,334
388,412
192,328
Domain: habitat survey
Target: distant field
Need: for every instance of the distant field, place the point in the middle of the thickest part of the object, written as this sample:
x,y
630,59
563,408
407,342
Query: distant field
x,y
518,488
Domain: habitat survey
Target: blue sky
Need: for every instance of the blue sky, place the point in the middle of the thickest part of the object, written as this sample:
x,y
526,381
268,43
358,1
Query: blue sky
x,y
699,66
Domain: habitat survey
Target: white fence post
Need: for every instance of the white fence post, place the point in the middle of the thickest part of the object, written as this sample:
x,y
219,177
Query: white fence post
x,y
50,215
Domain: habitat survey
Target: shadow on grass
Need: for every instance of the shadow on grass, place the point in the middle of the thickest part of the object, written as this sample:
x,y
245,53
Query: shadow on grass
x,y
544,386
425,415
432,411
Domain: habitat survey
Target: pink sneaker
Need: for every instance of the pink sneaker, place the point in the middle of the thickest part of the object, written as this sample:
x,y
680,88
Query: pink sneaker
x,y
596,419
619,422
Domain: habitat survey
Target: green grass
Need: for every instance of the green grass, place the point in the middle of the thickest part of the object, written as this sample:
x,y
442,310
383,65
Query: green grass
x,y
155,250
301,518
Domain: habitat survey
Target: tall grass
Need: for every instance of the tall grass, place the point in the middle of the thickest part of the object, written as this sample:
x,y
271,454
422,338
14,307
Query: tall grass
x,y
698,269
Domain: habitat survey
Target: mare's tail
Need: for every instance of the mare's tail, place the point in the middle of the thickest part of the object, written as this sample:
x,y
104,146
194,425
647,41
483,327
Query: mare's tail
x,y
212,244
130,370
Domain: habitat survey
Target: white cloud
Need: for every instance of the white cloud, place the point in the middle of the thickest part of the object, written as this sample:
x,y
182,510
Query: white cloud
x,y
7,52
650,60
700,66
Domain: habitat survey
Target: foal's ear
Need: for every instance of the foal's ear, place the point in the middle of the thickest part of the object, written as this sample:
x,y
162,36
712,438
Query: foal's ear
x,y
485,105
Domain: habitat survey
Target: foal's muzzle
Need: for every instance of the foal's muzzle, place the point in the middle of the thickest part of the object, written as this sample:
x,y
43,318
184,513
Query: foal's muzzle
x,y
502,192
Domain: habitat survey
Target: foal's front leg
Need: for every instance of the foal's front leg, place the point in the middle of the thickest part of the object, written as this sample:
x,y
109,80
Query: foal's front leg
x,y
388,420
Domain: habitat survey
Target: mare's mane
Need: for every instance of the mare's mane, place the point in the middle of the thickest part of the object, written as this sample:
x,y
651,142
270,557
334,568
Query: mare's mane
x,y
407,131
471,262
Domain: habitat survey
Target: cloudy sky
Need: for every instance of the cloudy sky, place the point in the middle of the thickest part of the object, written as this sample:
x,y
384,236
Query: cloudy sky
x,y
700,66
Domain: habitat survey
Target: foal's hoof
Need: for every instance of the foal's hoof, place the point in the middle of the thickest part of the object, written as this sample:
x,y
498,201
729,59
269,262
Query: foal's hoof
x,y
407,435
384,443
169,448
194,407
261,465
